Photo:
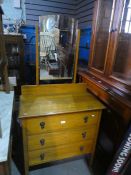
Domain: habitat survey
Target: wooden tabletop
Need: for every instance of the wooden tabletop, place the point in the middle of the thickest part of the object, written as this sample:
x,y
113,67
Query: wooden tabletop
x,y
49,104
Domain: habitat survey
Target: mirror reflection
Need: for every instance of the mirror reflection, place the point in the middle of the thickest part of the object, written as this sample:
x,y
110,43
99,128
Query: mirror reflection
x,y
122,64
57,47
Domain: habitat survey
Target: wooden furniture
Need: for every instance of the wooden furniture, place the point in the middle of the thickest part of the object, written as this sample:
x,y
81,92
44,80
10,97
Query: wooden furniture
x,y
58,122
15,54
108,75
3,59
5,140
110,46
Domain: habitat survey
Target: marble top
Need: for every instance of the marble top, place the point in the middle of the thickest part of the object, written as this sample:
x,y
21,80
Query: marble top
x,y
6,106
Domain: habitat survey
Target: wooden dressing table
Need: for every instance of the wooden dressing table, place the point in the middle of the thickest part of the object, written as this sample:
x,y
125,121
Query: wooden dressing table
x,y
58,122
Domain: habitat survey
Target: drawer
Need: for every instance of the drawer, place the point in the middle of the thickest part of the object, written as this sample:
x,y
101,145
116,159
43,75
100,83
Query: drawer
x,y
60,122
58,138
59,153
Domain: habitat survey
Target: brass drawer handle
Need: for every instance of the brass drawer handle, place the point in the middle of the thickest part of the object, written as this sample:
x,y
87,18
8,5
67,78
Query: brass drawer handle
x,y
84,135
42,125
42,156
85,119
81,148
42,142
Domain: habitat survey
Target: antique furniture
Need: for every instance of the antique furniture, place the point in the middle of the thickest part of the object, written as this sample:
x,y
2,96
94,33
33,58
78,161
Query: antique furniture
x,y
58,122
6,108
15,54
108,75
3,60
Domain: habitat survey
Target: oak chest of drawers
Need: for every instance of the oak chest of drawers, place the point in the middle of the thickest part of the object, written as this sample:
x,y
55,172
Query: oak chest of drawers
x,y
58,122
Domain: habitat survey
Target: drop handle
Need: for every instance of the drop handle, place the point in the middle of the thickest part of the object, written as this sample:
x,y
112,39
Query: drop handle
x,y
42,142
42,125
86,119
81,148
84,135
42,156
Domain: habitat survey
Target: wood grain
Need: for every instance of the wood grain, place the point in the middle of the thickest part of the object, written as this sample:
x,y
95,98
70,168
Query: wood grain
x,y
60,152
34,105
76,56
52,139
60,122
53,89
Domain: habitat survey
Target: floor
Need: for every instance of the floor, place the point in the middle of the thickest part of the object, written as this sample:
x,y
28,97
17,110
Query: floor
x,y
77,167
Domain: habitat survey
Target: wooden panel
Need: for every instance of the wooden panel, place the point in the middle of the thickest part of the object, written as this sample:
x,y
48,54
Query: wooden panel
x,y
15,67
60,138
85,19
36,8
54,89
76,56
83,3
76,9
38,11
73,100
60,104
84,13
60,122
56,3
4,168
3,60
105,92
85,7
59,153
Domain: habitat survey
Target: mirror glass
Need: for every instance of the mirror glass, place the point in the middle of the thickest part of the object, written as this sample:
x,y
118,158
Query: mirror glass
x,y
122,64
102,34
57,44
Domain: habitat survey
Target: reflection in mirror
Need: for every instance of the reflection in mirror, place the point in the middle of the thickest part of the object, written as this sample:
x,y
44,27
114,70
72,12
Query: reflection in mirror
x,y
57,47
122,64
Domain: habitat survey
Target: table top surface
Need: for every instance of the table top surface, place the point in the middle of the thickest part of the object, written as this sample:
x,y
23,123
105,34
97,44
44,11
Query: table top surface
x,y
6,107
38,104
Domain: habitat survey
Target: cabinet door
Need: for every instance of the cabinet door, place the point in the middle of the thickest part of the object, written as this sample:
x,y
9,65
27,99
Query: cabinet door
x,y
15,55
120,51
102,21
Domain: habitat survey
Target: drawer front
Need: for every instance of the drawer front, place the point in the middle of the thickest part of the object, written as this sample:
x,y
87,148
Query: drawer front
x,y
59,138
60,122
59,153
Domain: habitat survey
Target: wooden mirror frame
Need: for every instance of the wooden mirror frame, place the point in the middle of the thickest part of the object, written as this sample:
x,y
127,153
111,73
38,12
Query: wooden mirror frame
x,y
75,60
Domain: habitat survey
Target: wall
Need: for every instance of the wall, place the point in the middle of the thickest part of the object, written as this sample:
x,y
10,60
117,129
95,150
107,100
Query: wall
x,y
32,9
81,9
84,13
10,13
36,8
